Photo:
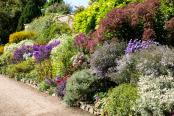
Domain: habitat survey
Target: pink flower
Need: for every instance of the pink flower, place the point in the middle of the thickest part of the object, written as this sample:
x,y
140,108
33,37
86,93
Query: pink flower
x,y
74,61
80,62
84,64
81,57
76,56
72,58
76,66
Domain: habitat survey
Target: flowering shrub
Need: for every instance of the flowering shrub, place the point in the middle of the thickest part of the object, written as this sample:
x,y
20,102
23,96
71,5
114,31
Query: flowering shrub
x,y
155,60
138,45
79,62
39,52
19,36
84,43
104,57
61,88
13,46
157,95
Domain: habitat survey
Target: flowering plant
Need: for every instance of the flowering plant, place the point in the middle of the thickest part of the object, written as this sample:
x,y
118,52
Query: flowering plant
x,y
40,52
82,43
79,62
61,88
134,46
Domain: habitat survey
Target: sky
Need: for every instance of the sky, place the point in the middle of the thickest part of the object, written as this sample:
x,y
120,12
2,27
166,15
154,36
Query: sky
x,y
77,2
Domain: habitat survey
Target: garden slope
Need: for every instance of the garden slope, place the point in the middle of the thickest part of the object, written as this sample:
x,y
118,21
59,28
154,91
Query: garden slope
x,y
18,99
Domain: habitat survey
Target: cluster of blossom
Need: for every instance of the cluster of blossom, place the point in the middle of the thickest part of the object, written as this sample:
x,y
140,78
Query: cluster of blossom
x,y
138,45
39,52
82,41
61,88
79,61
51,82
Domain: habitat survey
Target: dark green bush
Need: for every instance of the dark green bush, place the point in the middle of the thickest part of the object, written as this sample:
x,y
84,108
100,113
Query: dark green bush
x,y
60,8
83,85
30,12
121,100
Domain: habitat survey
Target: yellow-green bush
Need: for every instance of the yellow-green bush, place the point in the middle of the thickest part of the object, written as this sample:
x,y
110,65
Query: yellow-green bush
x,y
19,36
89,18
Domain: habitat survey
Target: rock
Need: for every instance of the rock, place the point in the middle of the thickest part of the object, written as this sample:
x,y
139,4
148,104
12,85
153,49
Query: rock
x,y
91,110
54,94
83,106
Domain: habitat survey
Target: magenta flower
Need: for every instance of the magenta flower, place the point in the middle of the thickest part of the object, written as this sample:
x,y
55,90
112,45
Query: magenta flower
x,y
80,62
81,57
76,66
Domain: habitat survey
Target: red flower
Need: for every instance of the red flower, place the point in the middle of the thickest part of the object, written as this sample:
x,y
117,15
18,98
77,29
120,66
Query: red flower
x,y
58,81
65,78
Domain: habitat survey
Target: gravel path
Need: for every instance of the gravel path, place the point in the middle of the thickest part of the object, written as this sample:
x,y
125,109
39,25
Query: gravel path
x,y
19,99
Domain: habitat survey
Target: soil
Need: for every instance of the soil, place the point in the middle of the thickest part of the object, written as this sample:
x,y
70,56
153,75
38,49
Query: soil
x,y
19,99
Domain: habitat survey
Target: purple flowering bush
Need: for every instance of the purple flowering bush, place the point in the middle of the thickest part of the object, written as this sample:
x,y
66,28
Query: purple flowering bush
x,y
104,57
155,60
40,52
138,45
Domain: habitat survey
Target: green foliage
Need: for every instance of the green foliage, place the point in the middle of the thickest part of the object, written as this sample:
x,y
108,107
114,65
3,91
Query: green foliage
x,y
52,90
61,55
30,11
43,69
157,95
43,86
60,8
121,100
79,88
89,18
79,9
55,29
6,58
24,66
19,36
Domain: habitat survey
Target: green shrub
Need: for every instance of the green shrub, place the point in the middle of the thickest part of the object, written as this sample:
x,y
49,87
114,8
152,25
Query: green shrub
x,y
6,58
30,11
157,95
19,36
43,69
61,55
60,8
24,66
52,90
122,99
43,86
55,29
83,85
78,87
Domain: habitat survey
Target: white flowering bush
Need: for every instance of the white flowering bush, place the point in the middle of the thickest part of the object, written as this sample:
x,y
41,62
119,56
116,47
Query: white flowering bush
x,y
156,60
12,47
157,95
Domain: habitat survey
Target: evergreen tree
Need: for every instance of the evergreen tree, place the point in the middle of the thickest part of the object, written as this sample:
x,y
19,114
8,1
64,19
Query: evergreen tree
x,y
30,12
